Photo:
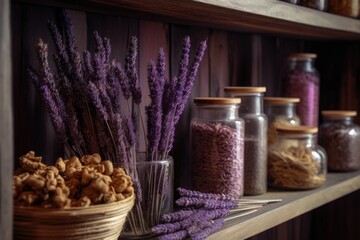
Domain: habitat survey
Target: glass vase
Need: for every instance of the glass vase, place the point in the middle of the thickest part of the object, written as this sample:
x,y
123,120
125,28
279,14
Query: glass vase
x,y
153,182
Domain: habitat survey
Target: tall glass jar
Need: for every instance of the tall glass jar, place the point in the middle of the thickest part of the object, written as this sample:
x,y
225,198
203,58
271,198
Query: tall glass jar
x,y
340,137
301,80
348,8
280,112
251,111
295,161
315,4
217,147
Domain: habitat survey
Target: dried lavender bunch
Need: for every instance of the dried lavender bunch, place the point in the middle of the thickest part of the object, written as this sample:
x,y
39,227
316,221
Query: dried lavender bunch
x,y
168,98
205,216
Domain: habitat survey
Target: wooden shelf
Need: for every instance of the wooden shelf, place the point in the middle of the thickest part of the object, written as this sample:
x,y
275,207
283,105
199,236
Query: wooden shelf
x,y
260,16
293,204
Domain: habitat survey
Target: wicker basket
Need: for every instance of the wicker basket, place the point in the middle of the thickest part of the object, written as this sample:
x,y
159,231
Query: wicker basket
x,y
103,221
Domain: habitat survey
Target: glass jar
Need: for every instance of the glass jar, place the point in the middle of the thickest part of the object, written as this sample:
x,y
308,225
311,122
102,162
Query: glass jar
x,y
348,8
217,147
301,80
280,112
295,161
315,4
251,111
340,137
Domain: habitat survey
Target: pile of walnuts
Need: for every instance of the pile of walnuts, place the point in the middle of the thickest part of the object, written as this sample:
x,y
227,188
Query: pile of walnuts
x,y
70,183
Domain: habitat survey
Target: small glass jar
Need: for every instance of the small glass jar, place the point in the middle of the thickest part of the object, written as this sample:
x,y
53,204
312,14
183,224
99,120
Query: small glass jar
x,y
217,147
280,112
301,80
295,161
340,137
348,8
315,4
255,161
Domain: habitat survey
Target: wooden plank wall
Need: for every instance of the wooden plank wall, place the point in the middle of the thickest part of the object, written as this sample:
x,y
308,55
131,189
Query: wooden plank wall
x,y
6,124
232,58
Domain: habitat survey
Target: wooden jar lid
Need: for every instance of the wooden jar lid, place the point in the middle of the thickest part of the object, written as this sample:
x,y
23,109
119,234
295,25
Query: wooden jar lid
x,y
302,56
245,89
280,100
297,129
338,113
216,100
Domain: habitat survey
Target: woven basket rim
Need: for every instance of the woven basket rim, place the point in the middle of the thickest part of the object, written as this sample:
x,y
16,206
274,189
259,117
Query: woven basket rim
x,y
127,201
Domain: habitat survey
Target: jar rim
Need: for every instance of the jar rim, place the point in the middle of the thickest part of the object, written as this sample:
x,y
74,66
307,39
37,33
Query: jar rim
x,y
302,56
245,89
280,100
216,100
301,129
338,113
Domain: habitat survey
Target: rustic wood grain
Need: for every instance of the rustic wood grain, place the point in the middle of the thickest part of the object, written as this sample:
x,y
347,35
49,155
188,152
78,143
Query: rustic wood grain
x,y
295,203
33,128
219,62
6,124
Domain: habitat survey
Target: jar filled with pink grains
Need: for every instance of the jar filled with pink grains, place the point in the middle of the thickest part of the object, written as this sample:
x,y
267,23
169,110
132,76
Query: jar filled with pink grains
x,y
217,147
301,80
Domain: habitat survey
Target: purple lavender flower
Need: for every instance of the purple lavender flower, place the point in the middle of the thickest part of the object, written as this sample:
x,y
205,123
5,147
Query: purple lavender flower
x,y
54,113
107,50
95,98
205,203
218,223
100,48
123,80
88,67
154,110
196,194
171,227
129,131
130,68
174,236
190,79
176,216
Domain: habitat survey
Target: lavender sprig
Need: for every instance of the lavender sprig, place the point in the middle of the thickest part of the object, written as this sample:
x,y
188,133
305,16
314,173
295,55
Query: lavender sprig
x,y
205,203
176,216
197,194
123,80
130,68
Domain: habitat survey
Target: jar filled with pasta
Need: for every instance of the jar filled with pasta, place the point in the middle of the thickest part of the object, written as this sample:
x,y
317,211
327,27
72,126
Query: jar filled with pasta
x,y
281,111
217,147
252,111
295,161
340,137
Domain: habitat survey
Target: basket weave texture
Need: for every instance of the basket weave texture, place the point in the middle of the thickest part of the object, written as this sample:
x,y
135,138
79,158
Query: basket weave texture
x,y
103,221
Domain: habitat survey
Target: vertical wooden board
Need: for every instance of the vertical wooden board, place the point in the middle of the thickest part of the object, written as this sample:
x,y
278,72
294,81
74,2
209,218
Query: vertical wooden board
x,y
240,46
33,128
270,69
152,37
6,125
218,62
181,149
256,60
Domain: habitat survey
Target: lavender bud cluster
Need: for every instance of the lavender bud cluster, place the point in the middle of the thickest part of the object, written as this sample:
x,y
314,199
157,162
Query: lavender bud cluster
x,y
200,215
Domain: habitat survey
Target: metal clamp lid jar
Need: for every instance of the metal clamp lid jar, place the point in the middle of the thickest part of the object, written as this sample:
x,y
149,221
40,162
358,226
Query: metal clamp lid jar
x,y
280,111
301,80
340,137
295,161
217,147
251,110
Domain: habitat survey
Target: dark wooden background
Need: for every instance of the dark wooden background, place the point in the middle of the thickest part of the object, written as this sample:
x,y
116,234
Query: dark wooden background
x,y
232,58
